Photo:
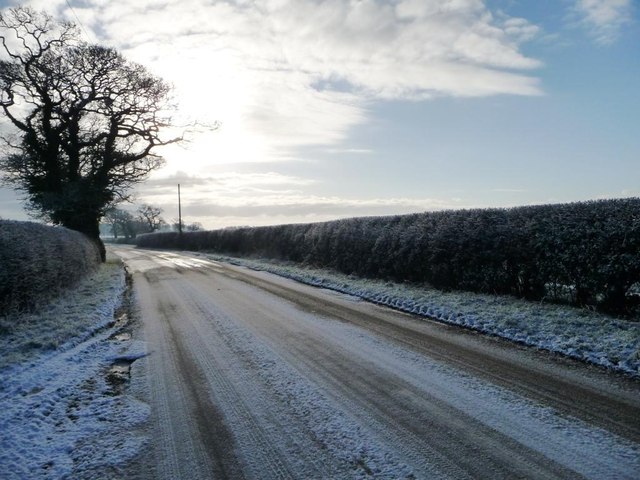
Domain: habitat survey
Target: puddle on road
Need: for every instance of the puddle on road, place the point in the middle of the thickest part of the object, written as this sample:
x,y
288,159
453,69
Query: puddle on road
x,y
118,376
119,373
121,320
122,337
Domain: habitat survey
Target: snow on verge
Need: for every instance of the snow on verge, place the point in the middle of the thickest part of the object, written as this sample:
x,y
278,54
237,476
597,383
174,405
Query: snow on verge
x,y
60,417
592,337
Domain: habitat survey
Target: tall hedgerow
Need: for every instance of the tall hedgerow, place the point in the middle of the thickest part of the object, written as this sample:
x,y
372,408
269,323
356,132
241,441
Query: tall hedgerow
x,y
39,261
585,253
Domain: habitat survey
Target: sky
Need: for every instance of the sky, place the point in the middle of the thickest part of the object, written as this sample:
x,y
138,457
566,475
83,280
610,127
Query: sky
x,y
341,108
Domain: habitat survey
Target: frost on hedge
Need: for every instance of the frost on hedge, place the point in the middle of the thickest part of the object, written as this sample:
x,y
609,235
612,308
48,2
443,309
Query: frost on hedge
x,y
37,262
586,253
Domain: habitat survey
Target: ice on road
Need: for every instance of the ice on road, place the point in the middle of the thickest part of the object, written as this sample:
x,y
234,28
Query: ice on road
x,y
254,376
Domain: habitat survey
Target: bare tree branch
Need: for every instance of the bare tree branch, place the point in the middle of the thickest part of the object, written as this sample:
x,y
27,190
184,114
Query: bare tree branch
x,y
89,121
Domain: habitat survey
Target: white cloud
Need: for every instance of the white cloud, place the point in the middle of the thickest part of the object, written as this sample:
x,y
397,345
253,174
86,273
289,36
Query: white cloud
x,y
286,73
605,18
227,181
282,74
235,198
357,151
228,188
294,208
258,66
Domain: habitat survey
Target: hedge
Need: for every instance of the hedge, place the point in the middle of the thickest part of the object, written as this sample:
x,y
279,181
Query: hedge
x,y
37,262
585,253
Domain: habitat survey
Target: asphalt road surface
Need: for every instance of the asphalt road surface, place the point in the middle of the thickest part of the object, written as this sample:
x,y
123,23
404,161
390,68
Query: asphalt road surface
x,y
254,376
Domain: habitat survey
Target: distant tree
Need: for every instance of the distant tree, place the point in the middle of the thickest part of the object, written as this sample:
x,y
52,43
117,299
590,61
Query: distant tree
x,y
118,220
87,120
193,227
123,223
186,227
150,216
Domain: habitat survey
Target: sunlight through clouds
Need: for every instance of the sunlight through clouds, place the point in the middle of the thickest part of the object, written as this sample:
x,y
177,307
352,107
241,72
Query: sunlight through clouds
x,y
256,66
294,84
230,57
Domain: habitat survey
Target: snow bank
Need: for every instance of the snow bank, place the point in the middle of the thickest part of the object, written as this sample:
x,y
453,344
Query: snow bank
x,y
60,417
592,337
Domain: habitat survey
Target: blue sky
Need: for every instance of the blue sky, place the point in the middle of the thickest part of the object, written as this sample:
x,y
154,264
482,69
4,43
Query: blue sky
x,y
343,108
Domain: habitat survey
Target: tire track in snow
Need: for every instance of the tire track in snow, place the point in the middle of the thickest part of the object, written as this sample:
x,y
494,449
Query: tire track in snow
x,y
176,456
216,441
608,401
281,401
212,366
368,405
428,431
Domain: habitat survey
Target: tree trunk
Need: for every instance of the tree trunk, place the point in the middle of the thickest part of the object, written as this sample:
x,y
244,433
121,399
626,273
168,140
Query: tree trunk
x,y
101,248
94,235
91,228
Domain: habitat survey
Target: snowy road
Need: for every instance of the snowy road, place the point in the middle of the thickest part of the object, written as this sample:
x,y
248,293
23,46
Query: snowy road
x,y
254,376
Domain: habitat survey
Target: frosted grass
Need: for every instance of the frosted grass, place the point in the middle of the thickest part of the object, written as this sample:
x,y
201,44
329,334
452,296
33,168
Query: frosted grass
x,y
63,321
59,415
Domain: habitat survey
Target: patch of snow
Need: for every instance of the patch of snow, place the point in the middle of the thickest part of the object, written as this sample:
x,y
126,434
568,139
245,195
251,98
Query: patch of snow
x,y
348,430
348,444
588,336
59,417
592,452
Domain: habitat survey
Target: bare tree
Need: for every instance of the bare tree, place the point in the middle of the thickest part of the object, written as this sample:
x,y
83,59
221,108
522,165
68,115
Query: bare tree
x,y
150,216
194,227
186,227
124,223
87,120
117,220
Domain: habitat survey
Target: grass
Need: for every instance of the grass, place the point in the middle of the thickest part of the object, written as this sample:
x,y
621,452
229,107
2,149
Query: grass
x,y
63,321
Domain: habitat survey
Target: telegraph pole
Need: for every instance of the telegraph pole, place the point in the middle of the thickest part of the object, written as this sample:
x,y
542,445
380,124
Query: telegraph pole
x,y
179,212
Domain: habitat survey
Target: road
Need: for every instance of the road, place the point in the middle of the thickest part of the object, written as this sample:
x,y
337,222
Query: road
x,y
254,376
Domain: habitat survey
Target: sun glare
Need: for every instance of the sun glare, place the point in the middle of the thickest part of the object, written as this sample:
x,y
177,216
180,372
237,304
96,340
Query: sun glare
x,y
215,91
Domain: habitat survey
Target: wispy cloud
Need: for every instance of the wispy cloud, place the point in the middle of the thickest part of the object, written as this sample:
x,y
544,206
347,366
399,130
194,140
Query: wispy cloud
x,y
605,18
235,198
356,151
227,181
301,208
286,73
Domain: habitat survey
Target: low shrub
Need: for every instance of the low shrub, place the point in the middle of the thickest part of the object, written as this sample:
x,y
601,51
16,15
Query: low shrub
x,y
37,262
